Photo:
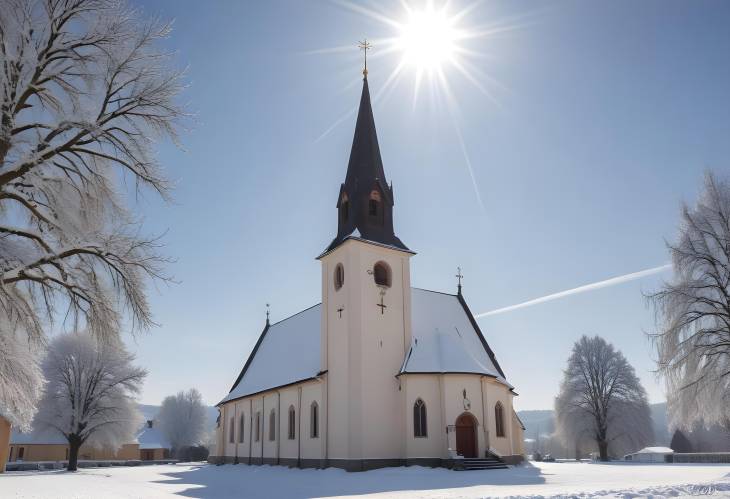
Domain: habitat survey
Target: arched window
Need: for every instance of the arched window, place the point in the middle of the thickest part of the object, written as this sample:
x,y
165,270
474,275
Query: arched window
x,y
231,431
381,274
419,419
344,209
257,427
272,425
314,420
292,422
373,208
499,419
240,429
339,276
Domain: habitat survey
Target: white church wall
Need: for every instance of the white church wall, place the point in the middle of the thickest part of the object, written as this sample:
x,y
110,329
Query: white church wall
x,y
518,436
270,403
257,444
312,448
289,398
240,449
281,447
497,392
364,350
454,387
336,344
427,388
384,340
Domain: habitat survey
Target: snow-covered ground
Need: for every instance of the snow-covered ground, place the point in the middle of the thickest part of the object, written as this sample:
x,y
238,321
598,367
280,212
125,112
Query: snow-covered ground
x,y
205,481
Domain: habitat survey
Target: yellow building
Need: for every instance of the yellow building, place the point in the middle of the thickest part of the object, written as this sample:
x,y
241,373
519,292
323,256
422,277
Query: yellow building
x,y
379,373
46,445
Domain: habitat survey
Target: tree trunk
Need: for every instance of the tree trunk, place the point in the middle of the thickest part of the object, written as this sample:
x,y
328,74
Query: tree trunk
x,y
74,444
603,450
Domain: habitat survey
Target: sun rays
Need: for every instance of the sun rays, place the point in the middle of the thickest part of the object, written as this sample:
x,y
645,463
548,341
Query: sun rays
x,y
430,44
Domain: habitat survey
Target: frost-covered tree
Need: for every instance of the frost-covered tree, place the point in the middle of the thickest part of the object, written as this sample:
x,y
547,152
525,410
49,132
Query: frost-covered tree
x,y
183,419
90,393
21,379
602,399
85,94
693,312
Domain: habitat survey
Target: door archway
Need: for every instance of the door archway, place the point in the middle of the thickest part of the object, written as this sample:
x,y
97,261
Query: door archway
x,y
466,435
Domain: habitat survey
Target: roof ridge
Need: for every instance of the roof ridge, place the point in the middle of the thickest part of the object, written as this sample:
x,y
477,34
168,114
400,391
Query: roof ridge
x,y
295,314
433,291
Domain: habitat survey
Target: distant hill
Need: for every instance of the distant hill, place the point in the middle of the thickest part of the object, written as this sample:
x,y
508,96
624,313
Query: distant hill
x,y
151,411
534,421
544,421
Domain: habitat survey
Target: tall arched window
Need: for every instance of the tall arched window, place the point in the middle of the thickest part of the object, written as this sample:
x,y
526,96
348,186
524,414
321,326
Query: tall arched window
x,y
240,429
499,419
381,274
374,203
257,427
375,208
292,422
272,425
314,420
339,276
231,431
419,419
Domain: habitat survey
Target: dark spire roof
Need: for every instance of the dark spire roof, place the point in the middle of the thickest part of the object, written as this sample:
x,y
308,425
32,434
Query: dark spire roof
x,y
365,161
365,201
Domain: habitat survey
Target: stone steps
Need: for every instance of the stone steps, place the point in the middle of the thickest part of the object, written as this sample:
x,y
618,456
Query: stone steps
x,y
483,463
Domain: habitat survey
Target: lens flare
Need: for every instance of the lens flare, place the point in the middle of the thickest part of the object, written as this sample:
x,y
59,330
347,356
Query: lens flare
x,y
427,39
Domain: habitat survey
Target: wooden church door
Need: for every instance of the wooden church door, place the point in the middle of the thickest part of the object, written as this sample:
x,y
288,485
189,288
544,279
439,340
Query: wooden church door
x,y
466,435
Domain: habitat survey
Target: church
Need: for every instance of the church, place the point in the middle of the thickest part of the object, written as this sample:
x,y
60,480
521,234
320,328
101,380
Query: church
x,y
379,373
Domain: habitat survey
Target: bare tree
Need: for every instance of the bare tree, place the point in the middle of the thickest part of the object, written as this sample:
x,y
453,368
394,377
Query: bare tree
x,y
601,396
89,397
693,313
183,419
86,93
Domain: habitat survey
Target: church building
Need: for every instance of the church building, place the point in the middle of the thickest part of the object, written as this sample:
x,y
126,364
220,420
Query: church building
x,y
379,373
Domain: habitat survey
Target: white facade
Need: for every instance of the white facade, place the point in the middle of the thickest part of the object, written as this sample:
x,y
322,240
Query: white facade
x,y
364,366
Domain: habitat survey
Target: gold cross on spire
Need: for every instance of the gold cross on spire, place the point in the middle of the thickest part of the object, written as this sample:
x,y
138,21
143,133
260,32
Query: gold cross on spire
x,y
365,46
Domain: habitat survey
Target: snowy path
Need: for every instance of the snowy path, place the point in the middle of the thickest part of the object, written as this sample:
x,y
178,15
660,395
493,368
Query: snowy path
x,y
204,481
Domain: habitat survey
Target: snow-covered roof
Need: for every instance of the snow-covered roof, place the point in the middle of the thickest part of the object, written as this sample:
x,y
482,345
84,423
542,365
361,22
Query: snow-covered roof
x,y
288,351
152,438
47,437
655,450
446,339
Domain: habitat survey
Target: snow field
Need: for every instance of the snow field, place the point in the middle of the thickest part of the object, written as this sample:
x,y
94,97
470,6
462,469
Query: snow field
x,y
232,481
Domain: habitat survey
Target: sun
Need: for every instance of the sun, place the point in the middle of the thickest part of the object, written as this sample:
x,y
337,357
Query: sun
x,y
427,39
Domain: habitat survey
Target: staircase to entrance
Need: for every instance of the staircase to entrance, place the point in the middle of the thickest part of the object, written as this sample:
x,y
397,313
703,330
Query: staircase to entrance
x,y
490,462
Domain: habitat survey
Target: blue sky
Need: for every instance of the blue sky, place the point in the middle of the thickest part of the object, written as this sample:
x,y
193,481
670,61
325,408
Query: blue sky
x,y
600,121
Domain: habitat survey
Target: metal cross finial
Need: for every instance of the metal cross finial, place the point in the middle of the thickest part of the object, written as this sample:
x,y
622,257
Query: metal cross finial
x,y
459,277
365,46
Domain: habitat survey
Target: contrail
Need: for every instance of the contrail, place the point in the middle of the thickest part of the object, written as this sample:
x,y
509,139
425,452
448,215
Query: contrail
x,y
581,289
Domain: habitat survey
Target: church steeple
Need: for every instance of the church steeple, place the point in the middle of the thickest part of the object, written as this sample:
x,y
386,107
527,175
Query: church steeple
x,y
365,202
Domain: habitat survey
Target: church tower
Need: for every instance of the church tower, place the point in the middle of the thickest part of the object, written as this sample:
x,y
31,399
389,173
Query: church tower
x,y
366,311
